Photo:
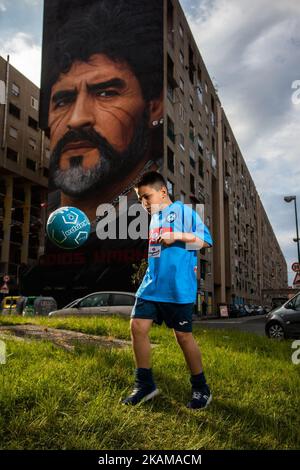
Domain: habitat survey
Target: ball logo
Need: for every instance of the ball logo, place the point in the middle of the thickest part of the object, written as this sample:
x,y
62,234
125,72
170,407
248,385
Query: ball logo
x,y
171,217
68,227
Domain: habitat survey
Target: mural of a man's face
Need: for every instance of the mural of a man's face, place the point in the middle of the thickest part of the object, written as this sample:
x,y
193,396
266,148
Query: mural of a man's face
x,y
99,125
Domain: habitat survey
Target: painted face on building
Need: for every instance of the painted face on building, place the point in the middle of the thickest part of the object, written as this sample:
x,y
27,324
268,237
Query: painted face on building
x,y
99,125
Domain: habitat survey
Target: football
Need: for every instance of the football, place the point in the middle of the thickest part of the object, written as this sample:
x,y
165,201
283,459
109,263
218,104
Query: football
x,y
68,228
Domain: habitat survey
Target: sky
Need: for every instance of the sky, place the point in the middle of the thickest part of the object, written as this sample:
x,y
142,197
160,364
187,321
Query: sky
x,y
252,53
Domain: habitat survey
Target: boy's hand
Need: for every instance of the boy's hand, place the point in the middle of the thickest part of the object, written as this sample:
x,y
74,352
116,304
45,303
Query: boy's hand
x,y
167,239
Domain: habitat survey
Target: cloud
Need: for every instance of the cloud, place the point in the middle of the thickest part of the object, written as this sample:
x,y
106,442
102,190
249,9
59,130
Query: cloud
x,y
25,55
2,7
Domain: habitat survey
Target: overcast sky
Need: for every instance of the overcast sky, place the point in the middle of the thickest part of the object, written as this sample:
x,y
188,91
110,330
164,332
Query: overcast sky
x,y
252,52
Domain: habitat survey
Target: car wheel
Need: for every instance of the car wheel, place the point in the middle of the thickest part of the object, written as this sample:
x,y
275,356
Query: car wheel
x,y
275,331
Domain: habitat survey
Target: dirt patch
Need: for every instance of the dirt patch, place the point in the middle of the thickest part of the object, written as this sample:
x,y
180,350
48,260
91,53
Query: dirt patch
x,y
65,339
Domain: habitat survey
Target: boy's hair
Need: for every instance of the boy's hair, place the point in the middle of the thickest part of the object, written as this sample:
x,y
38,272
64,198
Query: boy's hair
x,y
152,178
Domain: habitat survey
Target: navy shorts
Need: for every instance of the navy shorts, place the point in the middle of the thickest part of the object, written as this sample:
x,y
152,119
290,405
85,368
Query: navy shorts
x,y
176,316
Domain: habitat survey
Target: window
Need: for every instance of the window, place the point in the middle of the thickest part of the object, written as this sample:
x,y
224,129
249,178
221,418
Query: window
x,y
32,123
15,89
171,131
206,87
192,68
14,111
182,197
12,154
213,143
192,158
206,130
206,109
181,141
170,91
181,112
181,85
191,103
191,131
181,31
200,144
170,160
13,132
192,183
201,168
201,191
213,119
199,92
34,103
170,187
181,57
32,143
213,161
122,300
182,169
199,118
30,164
97,300
47,154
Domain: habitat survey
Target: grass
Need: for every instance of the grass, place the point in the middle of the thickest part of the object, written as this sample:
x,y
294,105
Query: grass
x,y
54,399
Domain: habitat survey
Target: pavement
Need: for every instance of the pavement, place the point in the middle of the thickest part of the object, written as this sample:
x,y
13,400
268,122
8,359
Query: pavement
x,y
255,324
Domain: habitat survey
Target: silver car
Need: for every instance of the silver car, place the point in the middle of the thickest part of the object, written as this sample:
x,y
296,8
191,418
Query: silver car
x,y
98,303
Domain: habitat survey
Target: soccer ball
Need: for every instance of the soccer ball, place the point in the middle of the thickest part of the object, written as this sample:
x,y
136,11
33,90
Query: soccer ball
x,y
68,227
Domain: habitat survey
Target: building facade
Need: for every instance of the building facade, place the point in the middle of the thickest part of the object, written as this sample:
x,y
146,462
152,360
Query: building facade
x,y
24,161
204,165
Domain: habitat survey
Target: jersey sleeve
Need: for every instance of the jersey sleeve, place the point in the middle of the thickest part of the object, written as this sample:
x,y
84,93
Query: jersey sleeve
x,y
192,223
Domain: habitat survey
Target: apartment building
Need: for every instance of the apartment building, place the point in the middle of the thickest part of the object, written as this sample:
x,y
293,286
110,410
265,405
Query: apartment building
x,y
204,165
24,161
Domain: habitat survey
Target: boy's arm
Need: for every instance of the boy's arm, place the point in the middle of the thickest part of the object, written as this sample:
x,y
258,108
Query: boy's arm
x,y
169,238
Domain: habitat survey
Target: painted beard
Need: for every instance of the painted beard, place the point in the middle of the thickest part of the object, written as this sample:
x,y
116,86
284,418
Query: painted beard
x,y
113,166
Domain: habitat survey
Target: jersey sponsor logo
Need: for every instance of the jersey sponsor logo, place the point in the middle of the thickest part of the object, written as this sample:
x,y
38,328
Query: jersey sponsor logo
x,y
154,251
171,217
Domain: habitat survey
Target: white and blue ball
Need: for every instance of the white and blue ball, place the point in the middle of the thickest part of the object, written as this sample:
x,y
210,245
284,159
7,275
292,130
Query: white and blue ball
x,y
68,228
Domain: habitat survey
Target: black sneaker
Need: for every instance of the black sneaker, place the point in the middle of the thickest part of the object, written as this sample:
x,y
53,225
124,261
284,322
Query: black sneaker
x,y
140,394
200,398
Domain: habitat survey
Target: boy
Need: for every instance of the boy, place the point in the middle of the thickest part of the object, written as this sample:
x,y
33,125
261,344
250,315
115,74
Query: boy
x,y
168,290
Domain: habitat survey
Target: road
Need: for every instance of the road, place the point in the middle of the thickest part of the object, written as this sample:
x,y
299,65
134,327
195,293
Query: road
x,y
255,324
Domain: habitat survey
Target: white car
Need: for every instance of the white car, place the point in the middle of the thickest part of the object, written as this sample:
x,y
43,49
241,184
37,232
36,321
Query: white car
x,y
98,303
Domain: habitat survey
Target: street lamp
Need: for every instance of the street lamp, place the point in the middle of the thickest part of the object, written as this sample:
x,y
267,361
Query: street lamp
x,y
290,199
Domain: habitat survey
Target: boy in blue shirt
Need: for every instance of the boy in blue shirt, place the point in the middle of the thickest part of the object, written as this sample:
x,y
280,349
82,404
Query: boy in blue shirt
x,y
168,290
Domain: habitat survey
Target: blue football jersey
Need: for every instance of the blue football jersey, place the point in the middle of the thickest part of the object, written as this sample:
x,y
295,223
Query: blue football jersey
x,y
171,275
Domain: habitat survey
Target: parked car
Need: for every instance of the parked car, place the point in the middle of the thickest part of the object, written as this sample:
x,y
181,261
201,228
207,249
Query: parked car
x,y
9,305
236,310
99,303
249,309
38,306
260,310
284,321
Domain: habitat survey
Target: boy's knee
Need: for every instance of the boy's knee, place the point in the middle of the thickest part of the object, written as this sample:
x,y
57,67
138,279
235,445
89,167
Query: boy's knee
x,y
183,337
139,327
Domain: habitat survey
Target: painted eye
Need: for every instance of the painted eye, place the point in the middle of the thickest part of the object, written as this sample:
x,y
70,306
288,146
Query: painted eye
x,y
106,93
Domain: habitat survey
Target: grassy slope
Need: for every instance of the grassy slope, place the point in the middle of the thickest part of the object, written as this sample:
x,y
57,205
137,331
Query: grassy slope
x,y
53,399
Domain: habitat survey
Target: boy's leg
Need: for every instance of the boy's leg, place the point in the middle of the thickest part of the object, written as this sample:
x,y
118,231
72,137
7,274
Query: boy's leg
x,y
201,396
140,341
190,350
145,388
